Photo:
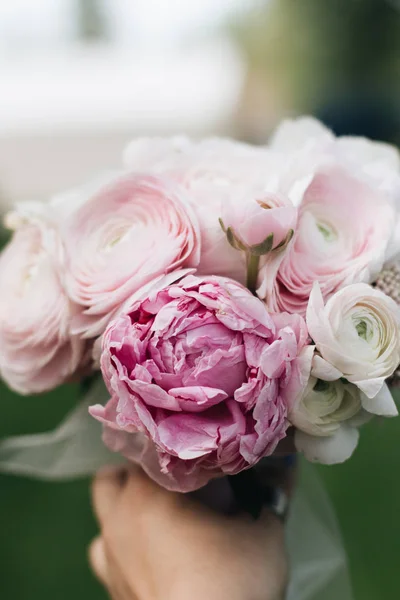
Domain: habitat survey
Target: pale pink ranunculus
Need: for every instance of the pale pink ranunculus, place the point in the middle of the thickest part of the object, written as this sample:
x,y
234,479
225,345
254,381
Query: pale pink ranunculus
x,y
357,336
37,350
348,193
218,174
134,229
201,378
347,190
341,237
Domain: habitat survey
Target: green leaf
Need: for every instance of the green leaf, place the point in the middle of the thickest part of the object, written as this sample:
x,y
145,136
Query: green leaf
x,y
285,242
231,238
240,244
289,235
234,240
264,247
220,221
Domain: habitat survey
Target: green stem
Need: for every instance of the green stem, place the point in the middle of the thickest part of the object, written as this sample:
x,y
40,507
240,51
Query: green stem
x,y
252,272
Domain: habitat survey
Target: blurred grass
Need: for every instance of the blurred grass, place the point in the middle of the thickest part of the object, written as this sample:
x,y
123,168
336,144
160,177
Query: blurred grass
x,y
46,527
365,492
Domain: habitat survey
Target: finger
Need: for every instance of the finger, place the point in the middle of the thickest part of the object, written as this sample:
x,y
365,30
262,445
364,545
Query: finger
x,y
98,560
106,489
143,499
140,486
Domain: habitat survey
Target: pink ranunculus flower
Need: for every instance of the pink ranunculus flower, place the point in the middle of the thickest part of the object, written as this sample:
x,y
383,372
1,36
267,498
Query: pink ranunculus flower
x,y
201,378
131,231
37,350
341,237
217,174
347,190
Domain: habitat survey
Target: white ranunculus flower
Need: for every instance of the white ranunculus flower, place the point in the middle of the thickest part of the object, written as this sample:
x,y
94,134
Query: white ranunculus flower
x,y
357,336
325,419
324,406
334,449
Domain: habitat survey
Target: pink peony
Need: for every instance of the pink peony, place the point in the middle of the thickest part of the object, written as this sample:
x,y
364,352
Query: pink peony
x,y
37,351
201,378
133,230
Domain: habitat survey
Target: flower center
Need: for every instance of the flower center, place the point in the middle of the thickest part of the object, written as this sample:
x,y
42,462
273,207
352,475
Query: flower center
x,y
117,236
332,401
364,328
321,386
327,231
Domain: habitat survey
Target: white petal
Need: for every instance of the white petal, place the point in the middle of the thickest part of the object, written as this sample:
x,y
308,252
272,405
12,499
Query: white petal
x,y
155,153
321,369
318,324
382,404
360,418
298,189
293,134
365,151
393,249
328,450
369,387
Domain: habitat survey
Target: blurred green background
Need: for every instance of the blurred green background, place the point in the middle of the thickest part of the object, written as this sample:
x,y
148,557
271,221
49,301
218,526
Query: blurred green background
x,y
337,59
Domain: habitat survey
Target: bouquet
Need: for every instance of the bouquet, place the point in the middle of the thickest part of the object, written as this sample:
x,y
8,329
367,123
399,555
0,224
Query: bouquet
x,y
238,302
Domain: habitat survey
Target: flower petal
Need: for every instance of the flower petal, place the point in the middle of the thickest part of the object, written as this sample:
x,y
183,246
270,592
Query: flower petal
x,y
293,134
321,369
361,418
334,449
381,404
318,323
369,387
